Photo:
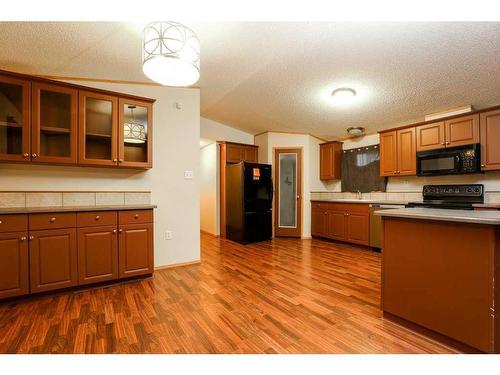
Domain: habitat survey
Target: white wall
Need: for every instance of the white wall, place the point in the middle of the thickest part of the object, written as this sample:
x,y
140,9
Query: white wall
x,y
209,170
176,149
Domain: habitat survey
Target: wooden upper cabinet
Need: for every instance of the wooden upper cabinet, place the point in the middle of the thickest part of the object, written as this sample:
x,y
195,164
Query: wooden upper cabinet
x,y
54,124
406,152
14,276
388,153
15,122
250,154
430,136
490,140
236,152
462,131
98,123
330,155
135,133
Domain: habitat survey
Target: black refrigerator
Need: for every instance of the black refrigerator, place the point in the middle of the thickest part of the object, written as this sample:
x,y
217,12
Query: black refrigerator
x,y
249,197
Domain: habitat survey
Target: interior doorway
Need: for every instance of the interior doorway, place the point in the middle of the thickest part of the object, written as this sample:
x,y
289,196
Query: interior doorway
x,y
288,192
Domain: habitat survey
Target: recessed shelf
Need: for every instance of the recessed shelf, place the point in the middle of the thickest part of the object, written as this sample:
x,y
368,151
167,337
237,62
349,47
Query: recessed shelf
x,y
98,135
55,130
11,124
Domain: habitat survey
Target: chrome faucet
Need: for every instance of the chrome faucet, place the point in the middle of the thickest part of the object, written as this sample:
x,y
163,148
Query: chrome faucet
x,y
360,196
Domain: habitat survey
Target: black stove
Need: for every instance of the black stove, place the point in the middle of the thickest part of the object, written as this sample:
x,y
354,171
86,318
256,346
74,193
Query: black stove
x,y
459,197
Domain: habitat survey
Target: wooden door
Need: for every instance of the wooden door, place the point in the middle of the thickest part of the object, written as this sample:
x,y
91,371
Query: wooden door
x,y
234,153
490,140
336,227
250,154
135,250
14,276
288,192
135,133
54,124
388,153
53,259
325,161
318,222
406,152
15,121
430,136
358,228
98,129
462,131
97,254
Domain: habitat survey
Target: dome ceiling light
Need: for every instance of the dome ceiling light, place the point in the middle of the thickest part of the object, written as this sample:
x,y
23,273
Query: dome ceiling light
x,y
171,54
356,131
343,95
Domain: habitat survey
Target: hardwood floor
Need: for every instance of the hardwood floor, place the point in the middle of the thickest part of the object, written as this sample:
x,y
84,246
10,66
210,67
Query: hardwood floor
x,y
282,296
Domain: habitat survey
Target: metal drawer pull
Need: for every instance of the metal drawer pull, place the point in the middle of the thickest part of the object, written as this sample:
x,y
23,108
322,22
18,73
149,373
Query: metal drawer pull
x,y
0,221
23,238
114,231
120,230
97,217
31,238
26,155
52,219
34,155
136,216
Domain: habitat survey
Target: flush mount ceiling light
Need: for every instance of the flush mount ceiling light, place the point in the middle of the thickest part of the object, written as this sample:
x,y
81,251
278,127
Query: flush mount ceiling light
x,y
133,131
356,131
171,54
343,95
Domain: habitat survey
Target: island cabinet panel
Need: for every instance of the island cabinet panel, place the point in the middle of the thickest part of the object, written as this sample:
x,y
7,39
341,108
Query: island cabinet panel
x,y
135,250
53,259
330,157
14,275
440,275
15,121
388,153
490,140
97,254
462,131
430,136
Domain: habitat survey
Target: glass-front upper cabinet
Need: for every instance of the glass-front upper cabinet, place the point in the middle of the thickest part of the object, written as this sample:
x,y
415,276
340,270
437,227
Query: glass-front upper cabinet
x,y
54,126
135,133
14,119
98,129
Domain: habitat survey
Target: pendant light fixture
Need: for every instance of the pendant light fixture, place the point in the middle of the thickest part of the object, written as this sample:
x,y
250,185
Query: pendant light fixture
x,y
133,131
171,54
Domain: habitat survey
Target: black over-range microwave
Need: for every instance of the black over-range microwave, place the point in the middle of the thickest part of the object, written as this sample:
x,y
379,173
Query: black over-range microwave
x,y
450,160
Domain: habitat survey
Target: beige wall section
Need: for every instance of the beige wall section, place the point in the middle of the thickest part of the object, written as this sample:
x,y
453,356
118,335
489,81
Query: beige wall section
x,y
209,170
176,149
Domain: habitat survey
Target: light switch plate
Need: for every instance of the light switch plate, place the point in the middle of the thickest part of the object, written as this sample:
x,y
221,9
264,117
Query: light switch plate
x,y
188,175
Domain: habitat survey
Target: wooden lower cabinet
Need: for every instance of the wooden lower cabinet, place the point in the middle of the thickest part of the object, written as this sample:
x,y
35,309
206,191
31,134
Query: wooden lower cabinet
x,y
97,254
135,250
14,275
341,222
53,259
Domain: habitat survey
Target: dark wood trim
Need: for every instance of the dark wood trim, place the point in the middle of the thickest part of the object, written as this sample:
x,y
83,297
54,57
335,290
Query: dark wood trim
x,y
72,85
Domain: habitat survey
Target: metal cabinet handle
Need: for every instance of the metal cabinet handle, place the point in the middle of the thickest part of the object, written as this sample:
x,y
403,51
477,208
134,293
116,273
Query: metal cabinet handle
x,y
482,166
120,230
120,160
115,160
136,216
97,217
52,219
31,238
114,231
26,155
23,238
34,155
0,221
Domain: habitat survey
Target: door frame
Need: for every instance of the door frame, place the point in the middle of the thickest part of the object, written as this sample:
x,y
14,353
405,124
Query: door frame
x,y
288,232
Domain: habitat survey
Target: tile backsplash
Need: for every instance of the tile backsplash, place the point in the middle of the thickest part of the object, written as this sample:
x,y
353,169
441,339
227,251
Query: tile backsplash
x,y
13,199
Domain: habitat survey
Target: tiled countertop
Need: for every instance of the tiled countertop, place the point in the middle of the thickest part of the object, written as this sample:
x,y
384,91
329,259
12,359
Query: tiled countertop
x,y
462,216
32,210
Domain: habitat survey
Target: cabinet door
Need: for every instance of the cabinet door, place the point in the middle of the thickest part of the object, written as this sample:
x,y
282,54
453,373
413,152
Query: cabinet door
x,y
135,133
135,250
336,227
98,129
430,136
407,155
490,140
234,153
14,279
325,161
97,254
250,154
54,126
318,222
15,122
388,153
462,131
358,228
53,259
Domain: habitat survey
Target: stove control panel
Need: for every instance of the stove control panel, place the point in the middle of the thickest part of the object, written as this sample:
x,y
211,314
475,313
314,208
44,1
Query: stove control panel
x,y
469,191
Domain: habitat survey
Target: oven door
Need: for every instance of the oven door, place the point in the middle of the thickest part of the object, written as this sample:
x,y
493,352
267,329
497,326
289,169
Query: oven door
x,y
438,162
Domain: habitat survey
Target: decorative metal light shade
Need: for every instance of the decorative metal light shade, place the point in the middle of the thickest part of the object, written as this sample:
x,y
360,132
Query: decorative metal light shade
x,y
171,54
133,131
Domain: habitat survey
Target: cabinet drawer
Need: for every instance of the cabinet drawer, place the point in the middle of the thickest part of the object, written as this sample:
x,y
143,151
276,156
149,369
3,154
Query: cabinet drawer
x,y
13,223
135,216
96,218
52,221
349,207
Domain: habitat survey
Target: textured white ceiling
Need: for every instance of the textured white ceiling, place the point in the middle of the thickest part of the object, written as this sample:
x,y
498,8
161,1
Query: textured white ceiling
x,y
278,76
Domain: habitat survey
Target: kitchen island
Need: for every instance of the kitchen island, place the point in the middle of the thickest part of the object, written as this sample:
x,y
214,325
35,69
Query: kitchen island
x,y
440,272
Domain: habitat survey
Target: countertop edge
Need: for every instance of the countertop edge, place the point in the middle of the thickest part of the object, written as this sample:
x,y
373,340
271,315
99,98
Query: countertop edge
x,y
439,217
37,210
